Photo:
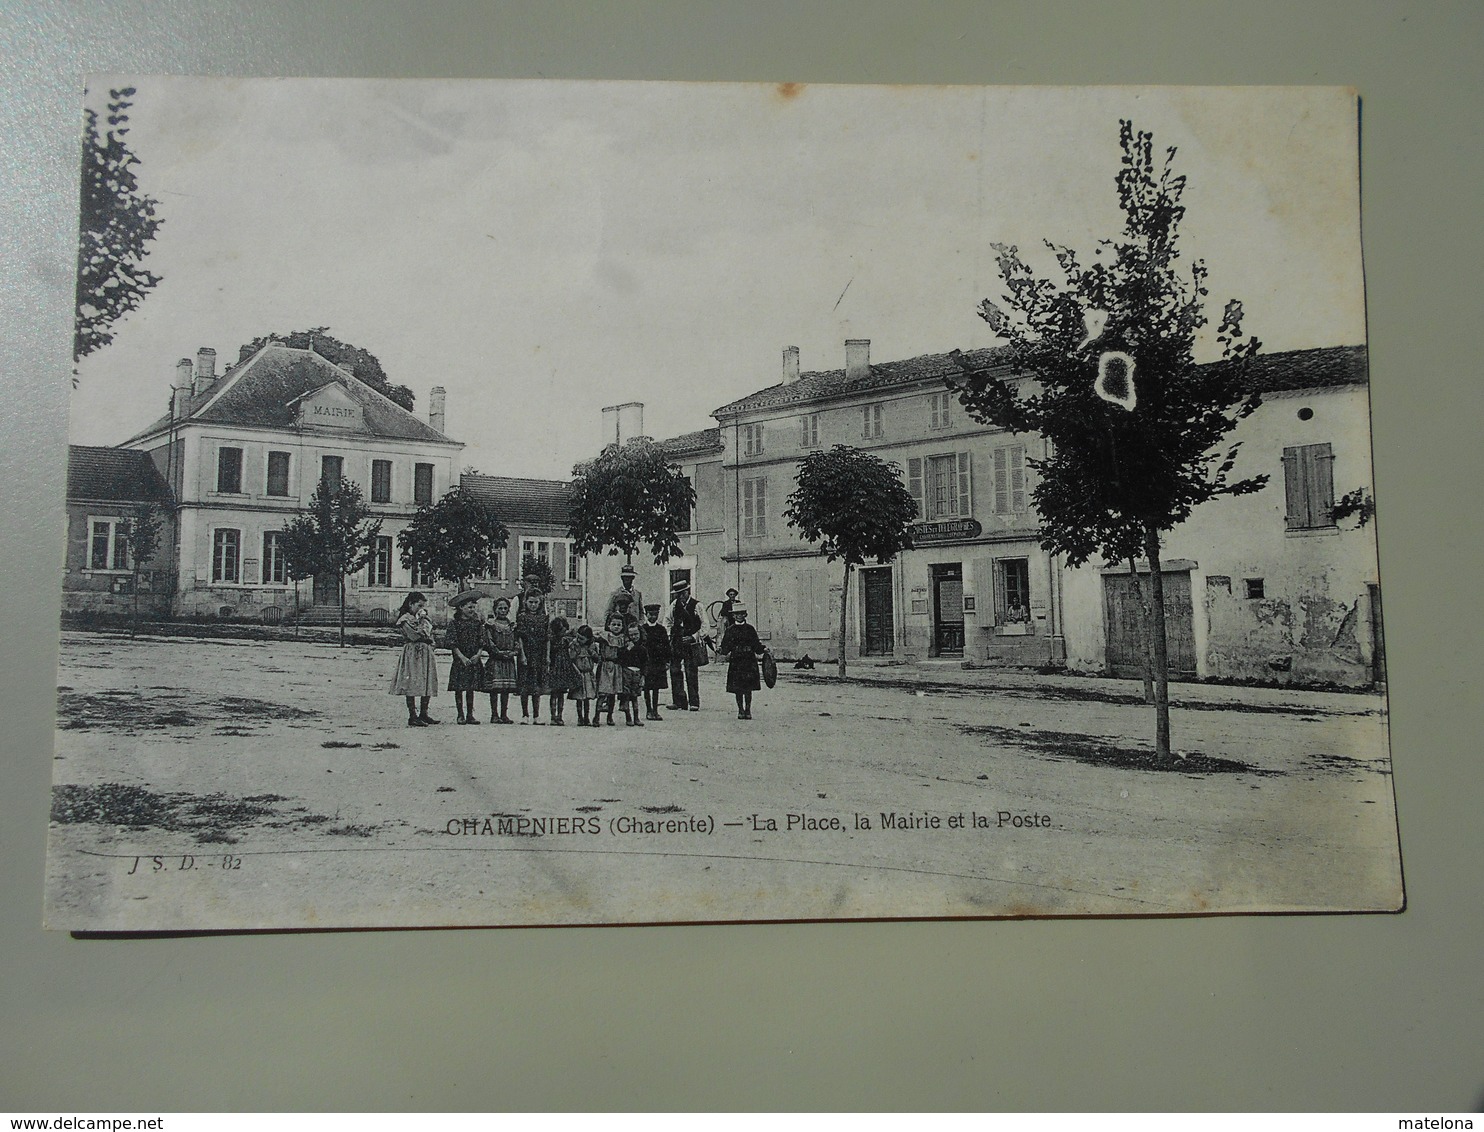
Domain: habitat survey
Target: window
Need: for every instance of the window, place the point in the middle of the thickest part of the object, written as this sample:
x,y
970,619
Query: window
x,y
226,555
752,440
109,545
381,481
422,484
331,470
809,430
572,563
421,579
229,470
1255,588
685,520
942,486
535,549
939,407
872,416
379,570
278,473
1009,480
1012,602
1309,486
274,571
754,507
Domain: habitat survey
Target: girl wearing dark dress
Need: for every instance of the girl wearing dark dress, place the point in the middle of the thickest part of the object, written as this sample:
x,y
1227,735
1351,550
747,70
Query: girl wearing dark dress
x,y
743,648
531,628
501,650
561,674
656,660
465,640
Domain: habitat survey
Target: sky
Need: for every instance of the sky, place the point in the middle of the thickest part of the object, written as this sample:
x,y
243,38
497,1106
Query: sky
x,y
543,249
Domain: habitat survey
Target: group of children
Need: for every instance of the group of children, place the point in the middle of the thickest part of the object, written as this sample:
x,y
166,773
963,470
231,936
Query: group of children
x,y
535,656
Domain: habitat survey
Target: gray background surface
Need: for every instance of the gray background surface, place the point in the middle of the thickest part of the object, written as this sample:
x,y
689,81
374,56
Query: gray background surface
x,y
1335,1012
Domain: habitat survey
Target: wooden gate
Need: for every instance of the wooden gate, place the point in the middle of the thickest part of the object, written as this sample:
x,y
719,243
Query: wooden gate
x,y
876,600
1123,616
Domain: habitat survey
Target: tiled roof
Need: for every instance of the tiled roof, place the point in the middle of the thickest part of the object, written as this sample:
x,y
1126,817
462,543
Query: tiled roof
x,y
693,443
521,502
259,392
114,475
1310,369
1292,369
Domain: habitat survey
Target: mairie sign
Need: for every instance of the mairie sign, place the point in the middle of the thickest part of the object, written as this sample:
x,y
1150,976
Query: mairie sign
x,y
946,530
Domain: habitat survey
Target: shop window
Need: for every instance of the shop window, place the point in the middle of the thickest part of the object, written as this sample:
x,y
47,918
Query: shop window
x,y
1012,591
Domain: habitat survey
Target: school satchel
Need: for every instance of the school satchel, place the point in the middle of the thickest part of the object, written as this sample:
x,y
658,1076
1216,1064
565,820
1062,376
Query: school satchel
x,y
770,669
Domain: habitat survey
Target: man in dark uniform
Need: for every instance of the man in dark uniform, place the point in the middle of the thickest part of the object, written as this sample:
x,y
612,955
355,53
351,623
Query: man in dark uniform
x,y
685,634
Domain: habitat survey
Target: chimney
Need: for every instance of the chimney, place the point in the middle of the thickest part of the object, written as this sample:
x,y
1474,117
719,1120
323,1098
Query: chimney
x,y
623,423
205,368
436,397
857,358
790,364
181,390
244,352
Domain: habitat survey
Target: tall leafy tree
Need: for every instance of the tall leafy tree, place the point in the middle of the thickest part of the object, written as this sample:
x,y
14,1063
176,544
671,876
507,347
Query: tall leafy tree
x,y
855,506
336,537
534,566
1138,430
366,364
116,223
631,495
458,538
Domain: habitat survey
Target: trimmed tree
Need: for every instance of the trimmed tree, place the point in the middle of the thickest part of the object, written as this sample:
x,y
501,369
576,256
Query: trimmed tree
x,y
1137,429
116,222
855,506
631,495
143,540
337,537
366,364
458,538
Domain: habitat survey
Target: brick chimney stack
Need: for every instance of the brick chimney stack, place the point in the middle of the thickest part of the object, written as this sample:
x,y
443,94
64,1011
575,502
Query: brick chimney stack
x,y
857,358
181,389
437,396
790,365
205,368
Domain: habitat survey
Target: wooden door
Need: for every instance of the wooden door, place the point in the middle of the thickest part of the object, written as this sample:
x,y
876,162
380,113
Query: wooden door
x,y
326,589
1123,616
876,599
948,609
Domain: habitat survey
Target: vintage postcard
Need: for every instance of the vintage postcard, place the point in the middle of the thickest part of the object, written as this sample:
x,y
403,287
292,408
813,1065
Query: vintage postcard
x,y
509,503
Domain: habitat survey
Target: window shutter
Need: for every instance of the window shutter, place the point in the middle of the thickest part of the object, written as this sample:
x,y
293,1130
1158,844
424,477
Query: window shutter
x,y
1295,494
914,482
965,487
1017,479
1321,485
1001,480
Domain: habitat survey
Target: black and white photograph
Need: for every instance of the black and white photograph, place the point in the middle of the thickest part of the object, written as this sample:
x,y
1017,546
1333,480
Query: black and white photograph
x,y
560,503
